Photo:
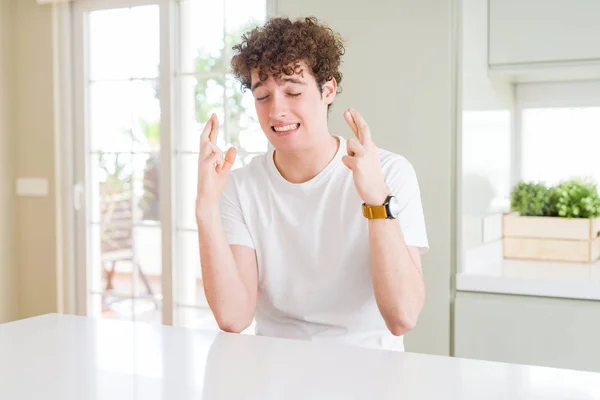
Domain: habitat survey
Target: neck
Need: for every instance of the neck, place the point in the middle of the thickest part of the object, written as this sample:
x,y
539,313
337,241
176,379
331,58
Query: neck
x,y
301,166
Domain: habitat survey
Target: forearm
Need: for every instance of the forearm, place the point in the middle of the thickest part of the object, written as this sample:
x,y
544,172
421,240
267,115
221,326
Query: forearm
x,y
226,293
397,280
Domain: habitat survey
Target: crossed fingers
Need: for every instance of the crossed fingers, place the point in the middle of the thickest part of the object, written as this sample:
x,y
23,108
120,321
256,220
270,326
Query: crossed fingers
x,y
208,142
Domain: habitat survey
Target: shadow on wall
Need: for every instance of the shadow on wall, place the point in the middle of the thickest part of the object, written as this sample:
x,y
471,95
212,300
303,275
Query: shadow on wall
x,y
478,195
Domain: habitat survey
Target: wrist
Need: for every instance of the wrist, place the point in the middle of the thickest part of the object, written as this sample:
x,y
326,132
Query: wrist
x,y
206,212
377,197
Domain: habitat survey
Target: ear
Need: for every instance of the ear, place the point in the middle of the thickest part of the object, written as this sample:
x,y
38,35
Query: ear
x,y
329,91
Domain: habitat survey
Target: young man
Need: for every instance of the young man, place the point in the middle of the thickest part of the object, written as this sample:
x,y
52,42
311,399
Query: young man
x,y
320,238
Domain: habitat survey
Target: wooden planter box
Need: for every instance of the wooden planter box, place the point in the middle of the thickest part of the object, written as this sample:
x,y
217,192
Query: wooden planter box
x,y
551,238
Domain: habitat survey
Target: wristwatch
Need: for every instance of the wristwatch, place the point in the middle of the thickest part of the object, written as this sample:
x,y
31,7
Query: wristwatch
x,y
388,210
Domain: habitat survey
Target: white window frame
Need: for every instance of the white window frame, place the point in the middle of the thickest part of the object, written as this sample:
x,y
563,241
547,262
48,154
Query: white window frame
x,y
73,103
81,8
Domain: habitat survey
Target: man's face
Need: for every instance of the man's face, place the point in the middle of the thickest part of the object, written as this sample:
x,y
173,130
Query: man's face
x,y
292,111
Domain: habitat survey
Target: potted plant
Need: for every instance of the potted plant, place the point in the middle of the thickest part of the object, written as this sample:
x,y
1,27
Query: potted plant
x,y
559,223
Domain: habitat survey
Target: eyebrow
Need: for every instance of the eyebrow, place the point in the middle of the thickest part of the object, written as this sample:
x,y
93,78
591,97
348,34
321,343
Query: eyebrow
x,y
286,80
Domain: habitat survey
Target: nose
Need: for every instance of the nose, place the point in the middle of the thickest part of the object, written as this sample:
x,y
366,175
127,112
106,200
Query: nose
x,y
279,108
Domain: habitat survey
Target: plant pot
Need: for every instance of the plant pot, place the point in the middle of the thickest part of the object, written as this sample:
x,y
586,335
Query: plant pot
x,y
551,238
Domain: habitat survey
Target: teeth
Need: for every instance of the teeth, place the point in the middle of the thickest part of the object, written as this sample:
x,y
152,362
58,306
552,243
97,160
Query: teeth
x,y
286,128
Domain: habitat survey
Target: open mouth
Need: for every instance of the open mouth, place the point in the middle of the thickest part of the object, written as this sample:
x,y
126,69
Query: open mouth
x,y
286,129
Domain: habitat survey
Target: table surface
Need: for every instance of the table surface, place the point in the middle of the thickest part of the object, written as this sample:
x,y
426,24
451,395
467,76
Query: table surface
x,y
65,357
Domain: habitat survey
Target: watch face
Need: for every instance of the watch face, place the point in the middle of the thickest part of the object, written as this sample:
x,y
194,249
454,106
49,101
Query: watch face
x,y
394,207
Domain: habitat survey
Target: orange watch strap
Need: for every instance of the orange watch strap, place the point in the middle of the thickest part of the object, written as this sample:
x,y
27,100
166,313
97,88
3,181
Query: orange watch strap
x,y
374,212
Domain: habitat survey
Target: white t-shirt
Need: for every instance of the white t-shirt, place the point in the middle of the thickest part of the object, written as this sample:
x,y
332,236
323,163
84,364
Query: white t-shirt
x,y
312,245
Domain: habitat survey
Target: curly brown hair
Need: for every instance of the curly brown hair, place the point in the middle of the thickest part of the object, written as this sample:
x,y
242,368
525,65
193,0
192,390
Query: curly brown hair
x,y
279,46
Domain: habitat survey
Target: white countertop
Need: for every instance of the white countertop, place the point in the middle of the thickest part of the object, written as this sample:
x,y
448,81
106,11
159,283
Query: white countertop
x,y
533,278
485,270
62,357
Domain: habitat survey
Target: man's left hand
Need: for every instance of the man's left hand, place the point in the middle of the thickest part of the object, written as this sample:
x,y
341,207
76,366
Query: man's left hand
x,y
363,161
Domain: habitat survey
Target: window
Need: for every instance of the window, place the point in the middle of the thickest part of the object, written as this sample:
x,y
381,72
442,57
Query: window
x,y
148,74
204,85
486,160
560,143
550,134
559,130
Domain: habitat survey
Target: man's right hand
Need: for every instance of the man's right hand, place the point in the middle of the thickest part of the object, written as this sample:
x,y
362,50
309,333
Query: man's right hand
x,y
213,168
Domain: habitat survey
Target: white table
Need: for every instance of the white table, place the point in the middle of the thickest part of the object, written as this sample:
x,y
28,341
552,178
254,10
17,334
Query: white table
x,y
58,357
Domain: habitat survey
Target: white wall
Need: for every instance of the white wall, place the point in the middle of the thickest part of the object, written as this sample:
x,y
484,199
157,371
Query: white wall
x,y
34,156
397,73
8,268
487,117
479,92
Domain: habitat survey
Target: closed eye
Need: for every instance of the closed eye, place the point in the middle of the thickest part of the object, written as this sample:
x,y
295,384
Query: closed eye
x,y
289,94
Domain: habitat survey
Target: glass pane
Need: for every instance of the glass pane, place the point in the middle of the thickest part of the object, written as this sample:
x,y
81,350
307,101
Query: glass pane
x,y
486,155
124,116
129,257
107,306
200,98
111,213
124,248
110,111
241,16
243,129
145,118
125,253
189,289
124,43
111,182
187,184
146,265
146,189
116,244
110,44
117,256
145,41
202,31
570,137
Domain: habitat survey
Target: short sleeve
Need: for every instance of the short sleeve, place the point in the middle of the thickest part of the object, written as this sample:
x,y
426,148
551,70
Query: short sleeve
x,y
402,181
232,216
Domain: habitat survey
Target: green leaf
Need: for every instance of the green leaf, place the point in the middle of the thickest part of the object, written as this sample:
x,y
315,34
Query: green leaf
x,y
532,199
578,198
575,198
